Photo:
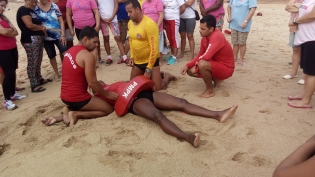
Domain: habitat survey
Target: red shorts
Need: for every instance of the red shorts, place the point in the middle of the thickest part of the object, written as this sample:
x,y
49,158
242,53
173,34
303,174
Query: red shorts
x,y
219,71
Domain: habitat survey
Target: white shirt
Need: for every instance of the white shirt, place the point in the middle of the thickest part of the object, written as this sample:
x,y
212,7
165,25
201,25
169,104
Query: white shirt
x,y
189,12
172,9
306,31
106,8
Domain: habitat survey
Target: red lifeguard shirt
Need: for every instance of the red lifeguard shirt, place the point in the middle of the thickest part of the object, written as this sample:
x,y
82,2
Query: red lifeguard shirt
x,y
215,47
115,87
6,43
74,84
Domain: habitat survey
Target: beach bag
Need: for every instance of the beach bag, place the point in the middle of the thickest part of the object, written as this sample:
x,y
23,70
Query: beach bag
x,y
196,13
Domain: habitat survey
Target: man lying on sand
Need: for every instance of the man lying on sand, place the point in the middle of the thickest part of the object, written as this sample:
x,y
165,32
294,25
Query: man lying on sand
x,y
148,104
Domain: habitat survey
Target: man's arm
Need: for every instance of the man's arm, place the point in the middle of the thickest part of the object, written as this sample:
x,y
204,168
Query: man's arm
x,y
152,31
90,73
290,7
299,163
202,50
214,45
215,6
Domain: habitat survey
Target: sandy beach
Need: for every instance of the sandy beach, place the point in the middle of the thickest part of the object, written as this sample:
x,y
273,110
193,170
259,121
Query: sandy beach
x,y
263,131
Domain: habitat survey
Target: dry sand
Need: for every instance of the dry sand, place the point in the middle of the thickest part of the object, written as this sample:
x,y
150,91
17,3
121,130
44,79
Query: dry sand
x,y
262,133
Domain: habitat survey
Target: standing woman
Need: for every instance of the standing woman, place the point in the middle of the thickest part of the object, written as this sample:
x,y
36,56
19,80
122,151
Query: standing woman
x,y
62,7
83,13
305,36
9,58
50,15
32,39
154,9
240,14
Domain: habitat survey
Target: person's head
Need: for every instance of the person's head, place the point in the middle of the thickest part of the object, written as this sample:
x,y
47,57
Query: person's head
x,y
31,4
89,38
207,25
134,10
3,5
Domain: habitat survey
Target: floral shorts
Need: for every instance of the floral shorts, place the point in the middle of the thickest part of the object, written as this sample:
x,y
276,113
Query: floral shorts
x,y
238,38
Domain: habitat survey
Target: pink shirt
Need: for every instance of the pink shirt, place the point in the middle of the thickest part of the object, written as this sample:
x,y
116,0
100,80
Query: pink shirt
x,y
82,11
294,14
6,43
306,31
152,9
217,13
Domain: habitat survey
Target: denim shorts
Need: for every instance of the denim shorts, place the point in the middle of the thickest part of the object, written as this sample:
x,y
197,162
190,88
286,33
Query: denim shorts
x,y
50,48
291,41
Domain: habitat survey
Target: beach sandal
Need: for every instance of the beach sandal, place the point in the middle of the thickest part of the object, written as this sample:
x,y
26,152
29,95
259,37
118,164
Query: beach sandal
x,y
227,31
100,61
240,64
289,76
108,62
120,61
259,14
40,89
44,81
126,62
300,106
291,98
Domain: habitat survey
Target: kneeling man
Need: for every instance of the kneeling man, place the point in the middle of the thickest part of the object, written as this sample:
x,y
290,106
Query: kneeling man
x,y
78,73
215,60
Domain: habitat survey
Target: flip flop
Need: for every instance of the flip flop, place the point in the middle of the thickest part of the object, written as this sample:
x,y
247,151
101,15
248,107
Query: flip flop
x,y
43,82
108,62
291,98
40,89
300,106
289,76
240,64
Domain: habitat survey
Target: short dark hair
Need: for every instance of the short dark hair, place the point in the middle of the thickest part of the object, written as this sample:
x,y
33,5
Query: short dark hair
x,y
135,4
88,32
6,1
210,20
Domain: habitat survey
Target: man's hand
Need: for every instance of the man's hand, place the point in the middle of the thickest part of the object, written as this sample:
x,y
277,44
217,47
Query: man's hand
x,y
131,62
244,24
147,75
184,70
112,95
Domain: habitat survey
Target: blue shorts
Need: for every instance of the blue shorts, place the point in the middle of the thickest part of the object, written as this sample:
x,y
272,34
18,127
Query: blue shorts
x,y
291,41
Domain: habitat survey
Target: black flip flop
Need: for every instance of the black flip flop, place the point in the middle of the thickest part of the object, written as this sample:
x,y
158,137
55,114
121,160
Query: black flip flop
x,y
40,89
43,82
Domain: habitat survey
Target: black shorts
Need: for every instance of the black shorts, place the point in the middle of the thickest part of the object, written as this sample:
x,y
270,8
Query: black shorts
x,y
77,105
50,48
78,31
144,66
308,58
144,94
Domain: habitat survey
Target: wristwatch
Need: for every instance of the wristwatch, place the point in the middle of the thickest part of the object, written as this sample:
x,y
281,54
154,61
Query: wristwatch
x,y
294,21
147,70
245,21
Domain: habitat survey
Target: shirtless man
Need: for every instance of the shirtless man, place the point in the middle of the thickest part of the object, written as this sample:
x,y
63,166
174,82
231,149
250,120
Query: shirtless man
x,y
78,73
144,46
148,104
215,60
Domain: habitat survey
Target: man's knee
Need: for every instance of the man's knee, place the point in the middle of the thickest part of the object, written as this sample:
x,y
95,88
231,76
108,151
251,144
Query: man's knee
x,y
203,64
182,102
158,116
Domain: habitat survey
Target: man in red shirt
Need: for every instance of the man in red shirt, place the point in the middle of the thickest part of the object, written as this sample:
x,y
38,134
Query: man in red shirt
x,y
78,73
215,60
148,104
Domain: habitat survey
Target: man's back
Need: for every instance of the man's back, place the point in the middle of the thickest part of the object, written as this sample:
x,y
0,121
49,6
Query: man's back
x,y
74,84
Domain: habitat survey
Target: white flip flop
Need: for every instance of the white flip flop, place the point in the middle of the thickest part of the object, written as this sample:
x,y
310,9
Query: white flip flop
x,y
289,76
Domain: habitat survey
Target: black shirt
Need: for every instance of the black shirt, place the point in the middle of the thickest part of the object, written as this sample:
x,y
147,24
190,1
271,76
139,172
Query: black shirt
x,y
27,33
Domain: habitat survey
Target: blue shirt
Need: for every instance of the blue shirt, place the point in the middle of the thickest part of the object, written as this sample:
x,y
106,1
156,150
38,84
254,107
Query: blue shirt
x,y
122,13
50,21
239,12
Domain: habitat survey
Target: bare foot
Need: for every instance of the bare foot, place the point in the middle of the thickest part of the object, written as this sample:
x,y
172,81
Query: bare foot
x,y
65,111
181,55
197,140
169,76
228,113
51,120
207,94
217,83
72,118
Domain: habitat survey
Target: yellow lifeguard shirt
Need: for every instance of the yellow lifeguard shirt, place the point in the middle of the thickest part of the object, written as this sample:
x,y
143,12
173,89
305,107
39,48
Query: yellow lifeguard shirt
x,y
144,41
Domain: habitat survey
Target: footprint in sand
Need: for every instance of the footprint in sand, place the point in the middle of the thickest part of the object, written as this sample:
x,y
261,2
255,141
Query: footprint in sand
x,y
257,161
4,147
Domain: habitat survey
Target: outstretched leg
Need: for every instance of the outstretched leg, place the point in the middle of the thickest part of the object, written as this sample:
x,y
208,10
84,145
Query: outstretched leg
x,y
165,101
145,108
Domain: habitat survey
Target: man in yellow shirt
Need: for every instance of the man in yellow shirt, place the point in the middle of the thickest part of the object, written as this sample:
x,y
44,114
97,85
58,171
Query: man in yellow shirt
x,y
144,46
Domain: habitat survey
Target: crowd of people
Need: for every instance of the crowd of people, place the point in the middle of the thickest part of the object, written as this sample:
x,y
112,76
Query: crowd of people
x,y
141,28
